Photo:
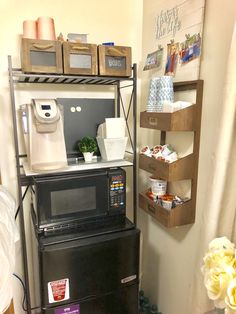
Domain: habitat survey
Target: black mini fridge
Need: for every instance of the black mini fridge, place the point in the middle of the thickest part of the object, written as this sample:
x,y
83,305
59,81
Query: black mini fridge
x,y
93,273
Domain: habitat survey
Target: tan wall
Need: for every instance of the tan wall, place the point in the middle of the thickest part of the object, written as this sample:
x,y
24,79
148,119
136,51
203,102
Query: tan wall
x,y
118,21
168,259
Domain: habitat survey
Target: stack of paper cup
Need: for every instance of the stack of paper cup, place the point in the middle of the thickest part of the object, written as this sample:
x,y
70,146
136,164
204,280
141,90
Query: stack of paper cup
x,y
152,105
46,29
43,28
160,92
165,92
30,29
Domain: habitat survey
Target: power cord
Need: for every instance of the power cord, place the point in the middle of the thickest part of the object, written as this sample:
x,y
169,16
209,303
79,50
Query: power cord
x,y
24,289
24,307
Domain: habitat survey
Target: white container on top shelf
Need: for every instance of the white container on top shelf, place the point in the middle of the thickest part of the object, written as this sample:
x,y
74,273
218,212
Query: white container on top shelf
x,y
112,128
112,148
111,139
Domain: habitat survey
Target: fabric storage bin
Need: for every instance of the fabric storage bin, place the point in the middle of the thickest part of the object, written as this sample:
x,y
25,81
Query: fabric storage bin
x,y
114,60
80,58
41,56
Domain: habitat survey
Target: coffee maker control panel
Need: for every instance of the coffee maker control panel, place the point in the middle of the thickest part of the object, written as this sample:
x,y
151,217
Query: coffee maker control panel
x,y
46,109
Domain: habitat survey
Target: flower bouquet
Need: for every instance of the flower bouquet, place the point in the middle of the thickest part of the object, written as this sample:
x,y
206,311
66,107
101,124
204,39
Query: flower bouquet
x,y
219,270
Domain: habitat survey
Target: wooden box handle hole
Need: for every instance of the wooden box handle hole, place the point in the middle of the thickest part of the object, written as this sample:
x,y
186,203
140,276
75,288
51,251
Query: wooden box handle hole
x,y
80,48
42,47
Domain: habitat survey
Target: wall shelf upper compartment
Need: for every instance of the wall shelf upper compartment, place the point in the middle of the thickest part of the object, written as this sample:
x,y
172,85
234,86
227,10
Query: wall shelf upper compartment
x,y
181,120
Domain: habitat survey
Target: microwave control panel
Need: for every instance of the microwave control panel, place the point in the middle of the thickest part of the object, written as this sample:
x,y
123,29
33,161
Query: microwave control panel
x,y
117,189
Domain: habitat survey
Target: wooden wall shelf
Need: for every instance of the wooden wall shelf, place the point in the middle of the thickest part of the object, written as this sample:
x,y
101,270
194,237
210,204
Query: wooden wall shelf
x,y
188,119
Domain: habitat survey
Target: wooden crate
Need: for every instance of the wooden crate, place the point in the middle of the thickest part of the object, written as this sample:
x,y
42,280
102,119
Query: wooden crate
x,y
80,58
41,56
114,60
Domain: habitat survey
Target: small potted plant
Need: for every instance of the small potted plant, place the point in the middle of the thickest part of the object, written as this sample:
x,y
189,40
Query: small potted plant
x,y
87,146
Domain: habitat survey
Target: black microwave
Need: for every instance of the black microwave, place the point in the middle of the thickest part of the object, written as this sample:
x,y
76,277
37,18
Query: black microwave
x,y
73,201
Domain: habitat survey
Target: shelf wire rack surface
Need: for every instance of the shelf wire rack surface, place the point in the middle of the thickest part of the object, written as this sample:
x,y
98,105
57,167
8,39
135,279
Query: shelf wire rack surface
x,y
21,77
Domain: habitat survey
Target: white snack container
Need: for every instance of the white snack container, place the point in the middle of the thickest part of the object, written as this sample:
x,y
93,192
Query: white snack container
x,y
158,187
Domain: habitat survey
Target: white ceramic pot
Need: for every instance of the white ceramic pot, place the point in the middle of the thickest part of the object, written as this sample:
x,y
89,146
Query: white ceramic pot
x,y
88,156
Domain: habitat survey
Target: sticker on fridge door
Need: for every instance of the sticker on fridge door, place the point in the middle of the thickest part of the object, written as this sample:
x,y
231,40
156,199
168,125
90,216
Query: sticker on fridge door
x,y
71,309
58,290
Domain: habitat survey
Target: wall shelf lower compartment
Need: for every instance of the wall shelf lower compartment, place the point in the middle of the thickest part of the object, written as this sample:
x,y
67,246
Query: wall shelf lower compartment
x,y
182,214
180,169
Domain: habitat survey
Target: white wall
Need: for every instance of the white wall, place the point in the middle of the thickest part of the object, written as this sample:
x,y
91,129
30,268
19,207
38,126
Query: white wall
x,y
168,259
118,21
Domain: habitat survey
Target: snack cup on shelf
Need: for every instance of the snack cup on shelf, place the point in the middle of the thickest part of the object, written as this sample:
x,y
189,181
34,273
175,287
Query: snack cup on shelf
x,y
166,150
151,195
167,204
157,155
171,158
158,187
157,148
146,151
167,201
167,197
156,151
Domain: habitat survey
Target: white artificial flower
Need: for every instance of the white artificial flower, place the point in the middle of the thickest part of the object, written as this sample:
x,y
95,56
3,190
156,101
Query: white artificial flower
x,y
222,243
230,298
216,281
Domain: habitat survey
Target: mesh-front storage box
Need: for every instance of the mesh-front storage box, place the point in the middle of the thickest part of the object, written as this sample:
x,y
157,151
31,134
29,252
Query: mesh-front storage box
x,y
114,60
41,56
80,58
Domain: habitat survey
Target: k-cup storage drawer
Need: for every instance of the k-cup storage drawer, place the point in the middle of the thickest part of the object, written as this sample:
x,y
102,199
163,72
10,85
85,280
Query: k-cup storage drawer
x,y
114,60
80,58
41,56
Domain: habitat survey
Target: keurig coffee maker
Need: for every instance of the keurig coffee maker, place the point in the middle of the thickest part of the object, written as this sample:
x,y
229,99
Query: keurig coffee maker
x,y
44,135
